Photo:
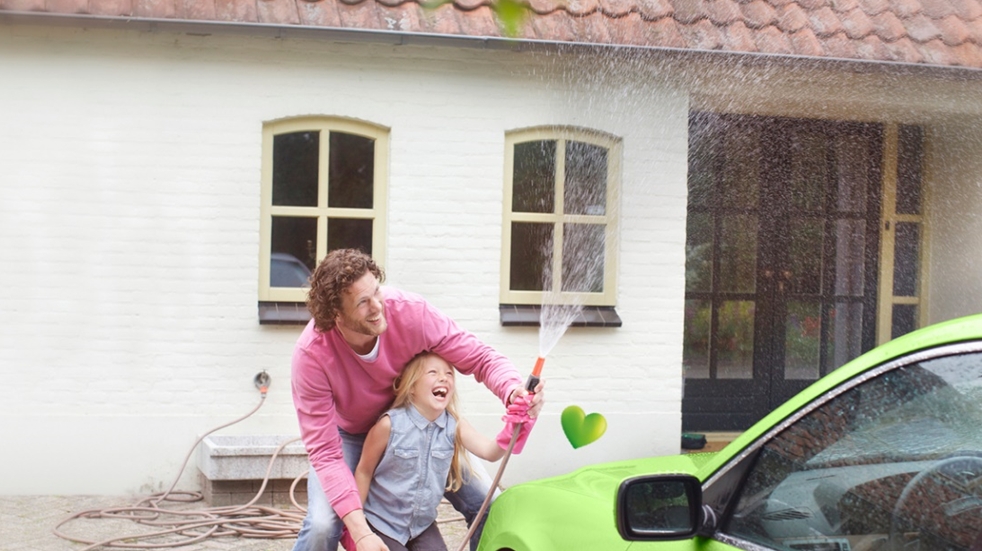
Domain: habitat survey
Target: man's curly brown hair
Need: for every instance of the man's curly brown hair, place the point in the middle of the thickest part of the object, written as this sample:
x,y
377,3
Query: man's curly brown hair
x,y
339,269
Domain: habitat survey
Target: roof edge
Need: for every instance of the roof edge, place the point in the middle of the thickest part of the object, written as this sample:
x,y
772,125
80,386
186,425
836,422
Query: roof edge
x,y
402,38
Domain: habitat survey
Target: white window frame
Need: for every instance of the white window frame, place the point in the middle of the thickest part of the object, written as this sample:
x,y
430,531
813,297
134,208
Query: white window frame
x,y
323,124
563,134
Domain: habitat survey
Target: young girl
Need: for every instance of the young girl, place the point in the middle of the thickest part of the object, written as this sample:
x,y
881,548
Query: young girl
x,y
413,454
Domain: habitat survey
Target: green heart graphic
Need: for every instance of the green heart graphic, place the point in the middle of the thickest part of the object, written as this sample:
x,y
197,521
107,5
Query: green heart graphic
x,y
582,429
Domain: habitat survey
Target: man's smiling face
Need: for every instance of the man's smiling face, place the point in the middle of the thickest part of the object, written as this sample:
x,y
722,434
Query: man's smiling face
x,y
362,315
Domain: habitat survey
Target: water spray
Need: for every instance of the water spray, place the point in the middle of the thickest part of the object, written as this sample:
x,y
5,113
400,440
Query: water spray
x,y
530,384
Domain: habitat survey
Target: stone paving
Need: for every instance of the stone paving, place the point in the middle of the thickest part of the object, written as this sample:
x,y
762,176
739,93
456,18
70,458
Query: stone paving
x,y
27,523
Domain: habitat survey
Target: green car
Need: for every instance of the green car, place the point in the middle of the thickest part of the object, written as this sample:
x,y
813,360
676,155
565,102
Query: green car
x,y
883,454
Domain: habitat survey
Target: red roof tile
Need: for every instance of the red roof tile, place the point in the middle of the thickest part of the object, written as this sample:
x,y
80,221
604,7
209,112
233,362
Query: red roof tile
x,y
937,32
689,13
969,54
969,10
843,5
806,43
723,12
873,7
655,9
196,9
953,30
738,38
857,24
666,31
921,28
758,14
770,40
702,35
315,14
936,9
810,5
824,21
791,18
841,46
903,51
888,27
905,8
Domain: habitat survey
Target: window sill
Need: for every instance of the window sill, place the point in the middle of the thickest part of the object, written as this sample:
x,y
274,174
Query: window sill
x,y
527,315
283,313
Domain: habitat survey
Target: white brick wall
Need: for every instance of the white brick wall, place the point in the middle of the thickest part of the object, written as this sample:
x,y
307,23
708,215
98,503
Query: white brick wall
x,y
129,204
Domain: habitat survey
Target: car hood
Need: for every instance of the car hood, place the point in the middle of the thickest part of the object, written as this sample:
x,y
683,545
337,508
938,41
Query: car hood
x,y
536,515
602,481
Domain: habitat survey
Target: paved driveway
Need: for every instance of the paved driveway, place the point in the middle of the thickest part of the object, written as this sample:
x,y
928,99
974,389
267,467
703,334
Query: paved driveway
x,y
27,523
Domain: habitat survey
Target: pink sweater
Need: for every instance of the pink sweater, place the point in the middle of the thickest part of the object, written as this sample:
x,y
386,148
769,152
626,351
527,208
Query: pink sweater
x,y
333,387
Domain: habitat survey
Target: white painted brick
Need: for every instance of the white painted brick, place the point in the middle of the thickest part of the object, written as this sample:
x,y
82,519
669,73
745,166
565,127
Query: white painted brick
x,y
129,207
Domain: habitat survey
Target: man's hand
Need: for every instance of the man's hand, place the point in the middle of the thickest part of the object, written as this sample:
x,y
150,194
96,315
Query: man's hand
x,y
538,398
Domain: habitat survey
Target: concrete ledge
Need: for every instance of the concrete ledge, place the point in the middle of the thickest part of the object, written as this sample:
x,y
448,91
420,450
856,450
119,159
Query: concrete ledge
x,y
247,457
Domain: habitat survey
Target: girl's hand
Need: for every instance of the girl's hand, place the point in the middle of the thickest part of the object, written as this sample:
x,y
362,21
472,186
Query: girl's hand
x,y
370,542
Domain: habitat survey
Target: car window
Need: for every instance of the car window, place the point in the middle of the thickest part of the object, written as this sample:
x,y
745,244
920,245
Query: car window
x,y
892,464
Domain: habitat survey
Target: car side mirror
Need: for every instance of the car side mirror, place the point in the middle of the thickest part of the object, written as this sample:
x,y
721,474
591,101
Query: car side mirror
x,y
661,507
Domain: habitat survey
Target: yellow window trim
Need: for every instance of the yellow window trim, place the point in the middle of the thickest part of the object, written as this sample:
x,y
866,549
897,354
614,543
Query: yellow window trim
x,y
888,222
267,210
610,218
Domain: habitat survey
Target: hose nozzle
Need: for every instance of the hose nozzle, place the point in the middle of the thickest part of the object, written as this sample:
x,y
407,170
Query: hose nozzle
x,y
533,380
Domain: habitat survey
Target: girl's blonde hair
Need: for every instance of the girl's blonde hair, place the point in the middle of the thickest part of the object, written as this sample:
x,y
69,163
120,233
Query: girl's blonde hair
x,y
403,386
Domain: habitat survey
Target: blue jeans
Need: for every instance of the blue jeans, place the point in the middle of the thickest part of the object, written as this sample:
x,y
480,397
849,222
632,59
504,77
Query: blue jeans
x,y
321,529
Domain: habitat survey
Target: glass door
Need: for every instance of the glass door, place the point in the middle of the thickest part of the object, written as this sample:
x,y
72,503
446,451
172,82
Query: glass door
x,y
781,260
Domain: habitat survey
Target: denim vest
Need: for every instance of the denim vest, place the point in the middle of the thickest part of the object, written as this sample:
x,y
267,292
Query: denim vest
x,y
411,476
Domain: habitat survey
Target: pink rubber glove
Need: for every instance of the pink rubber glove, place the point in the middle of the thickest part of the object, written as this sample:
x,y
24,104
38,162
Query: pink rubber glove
x,y
518,413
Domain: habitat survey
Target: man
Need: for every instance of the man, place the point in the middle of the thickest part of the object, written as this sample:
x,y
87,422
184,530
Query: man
x,y
360,337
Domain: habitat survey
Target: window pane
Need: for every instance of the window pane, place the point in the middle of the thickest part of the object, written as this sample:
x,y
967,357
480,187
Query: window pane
x,y
586,179
703,136
904,320
293,251
738,254
695,341
741,172
352,173
809,172
534,177
735,340
583,258
802,340
295,162
349,233
906,259
698,252
852,156
850,252
806,256
909,162
531,257
846,340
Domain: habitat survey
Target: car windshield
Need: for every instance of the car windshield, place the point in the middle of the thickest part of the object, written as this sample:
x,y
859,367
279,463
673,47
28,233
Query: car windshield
x,y
892,464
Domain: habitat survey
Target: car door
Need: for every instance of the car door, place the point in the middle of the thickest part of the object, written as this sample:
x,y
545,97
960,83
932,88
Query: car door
x,y
888,461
